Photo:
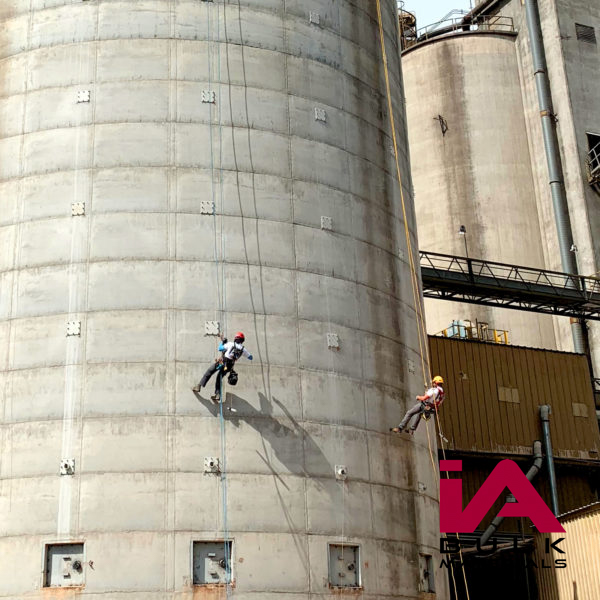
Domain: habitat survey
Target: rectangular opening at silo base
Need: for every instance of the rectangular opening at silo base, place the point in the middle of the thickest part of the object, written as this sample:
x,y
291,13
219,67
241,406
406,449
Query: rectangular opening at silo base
x,y
212,562
427,574
344,566
64,565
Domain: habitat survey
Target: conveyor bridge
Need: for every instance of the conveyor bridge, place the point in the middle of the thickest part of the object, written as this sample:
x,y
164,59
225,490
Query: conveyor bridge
x,y
496,284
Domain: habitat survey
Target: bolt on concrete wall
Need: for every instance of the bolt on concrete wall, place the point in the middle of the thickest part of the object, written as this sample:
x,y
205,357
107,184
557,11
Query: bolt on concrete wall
x,y
164,164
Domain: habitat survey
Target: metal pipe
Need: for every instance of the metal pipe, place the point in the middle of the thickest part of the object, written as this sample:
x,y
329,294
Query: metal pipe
x,y
545,417
559,197
531,474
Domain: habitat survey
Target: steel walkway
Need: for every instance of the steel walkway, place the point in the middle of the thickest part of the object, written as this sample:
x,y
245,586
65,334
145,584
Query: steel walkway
x,y
509,286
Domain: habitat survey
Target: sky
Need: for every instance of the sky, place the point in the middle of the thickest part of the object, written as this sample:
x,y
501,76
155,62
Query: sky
x,y
430,11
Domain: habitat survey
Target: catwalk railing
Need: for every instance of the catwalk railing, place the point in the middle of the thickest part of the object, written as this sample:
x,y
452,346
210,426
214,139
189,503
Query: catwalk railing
x,y
463,24
593,164
509,286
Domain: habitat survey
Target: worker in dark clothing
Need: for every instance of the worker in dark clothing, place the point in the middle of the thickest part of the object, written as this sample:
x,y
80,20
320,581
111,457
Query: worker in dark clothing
x,y
426,404
230,352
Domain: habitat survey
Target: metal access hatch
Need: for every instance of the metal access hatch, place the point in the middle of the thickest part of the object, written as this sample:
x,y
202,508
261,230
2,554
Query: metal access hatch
x,y
64,565
211,562
344,566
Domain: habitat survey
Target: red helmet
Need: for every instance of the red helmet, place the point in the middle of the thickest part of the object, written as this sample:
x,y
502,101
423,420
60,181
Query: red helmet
x,y
240,336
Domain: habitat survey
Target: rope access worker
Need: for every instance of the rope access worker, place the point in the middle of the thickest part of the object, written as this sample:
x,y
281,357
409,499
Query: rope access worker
x,y
230,352
426,405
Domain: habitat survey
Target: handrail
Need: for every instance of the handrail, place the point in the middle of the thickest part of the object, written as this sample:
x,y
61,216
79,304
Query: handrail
x,y
502,272
483,23
450,26
464,329
593,163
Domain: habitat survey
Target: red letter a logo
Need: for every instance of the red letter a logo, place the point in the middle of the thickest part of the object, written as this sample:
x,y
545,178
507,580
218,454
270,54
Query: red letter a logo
x,y
506,475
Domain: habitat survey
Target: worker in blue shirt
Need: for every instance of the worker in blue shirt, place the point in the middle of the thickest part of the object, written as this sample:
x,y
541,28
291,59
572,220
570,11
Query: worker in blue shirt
x,y
230,352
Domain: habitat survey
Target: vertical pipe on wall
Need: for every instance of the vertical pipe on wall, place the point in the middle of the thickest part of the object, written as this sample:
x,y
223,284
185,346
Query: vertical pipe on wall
x,y
545,417
559,197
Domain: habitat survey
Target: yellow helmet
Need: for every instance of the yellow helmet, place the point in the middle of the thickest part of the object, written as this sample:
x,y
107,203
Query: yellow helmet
x,y
438,379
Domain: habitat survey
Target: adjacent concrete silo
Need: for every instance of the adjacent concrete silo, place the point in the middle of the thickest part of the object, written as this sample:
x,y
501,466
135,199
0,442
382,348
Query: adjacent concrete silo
x,y
472,167
168,168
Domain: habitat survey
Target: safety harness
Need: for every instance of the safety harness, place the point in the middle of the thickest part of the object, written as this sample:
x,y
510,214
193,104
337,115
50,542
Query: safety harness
x,y
228,363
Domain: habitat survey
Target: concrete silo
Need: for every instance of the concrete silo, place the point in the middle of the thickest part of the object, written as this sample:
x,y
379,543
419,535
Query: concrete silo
x,y
472,167
167,168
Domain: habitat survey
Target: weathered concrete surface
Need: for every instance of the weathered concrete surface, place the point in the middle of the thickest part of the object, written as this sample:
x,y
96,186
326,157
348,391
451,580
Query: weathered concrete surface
x,y
479,173
573,69
143,270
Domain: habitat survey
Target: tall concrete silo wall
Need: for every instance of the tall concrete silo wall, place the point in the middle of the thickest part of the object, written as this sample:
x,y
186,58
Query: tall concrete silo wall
x,y
165,165
478,173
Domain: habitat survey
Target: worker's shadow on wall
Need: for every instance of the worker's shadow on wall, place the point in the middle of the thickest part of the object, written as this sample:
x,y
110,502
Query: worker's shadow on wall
x,y
283,438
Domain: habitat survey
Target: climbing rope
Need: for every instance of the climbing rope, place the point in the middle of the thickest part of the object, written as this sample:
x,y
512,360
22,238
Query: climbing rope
x,y
422,331
423,351
219,267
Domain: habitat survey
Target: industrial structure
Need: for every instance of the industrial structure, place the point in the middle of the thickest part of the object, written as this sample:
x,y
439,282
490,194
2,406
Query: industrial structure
x,y
579,579
506,400
172,170
504,133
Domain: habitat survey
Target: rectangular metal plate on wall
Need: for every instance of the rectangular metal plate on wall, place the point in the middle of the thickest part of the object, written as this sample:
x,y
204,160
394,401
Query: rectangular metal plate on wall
x,y
73,328
320,114
64,565
341,472
78,209
333,341
67,466
207,207
344,566
508,394
327,223
211,562
427,574
212,328
83,96
212,464
209,97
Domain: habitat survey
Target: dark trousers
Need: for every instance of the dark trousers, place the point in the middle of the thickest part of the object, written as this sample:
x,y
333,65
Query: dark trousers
x,y
412,418
220,369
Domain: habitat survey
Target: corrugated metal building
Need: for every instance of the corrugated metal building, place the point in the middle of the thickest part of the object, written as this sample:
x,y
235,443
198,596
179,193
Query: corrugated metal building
x,y
493,396
580,580
494,392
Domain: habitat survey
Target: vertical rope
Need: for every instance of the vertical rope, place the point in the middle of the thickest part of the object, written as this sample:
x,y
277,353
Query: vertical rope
x,y
220,271
414,277
422,332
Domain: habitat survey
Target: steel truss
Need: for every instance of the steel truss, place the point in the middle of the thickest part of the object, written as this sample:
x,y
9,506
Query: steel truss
x,y
489,283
